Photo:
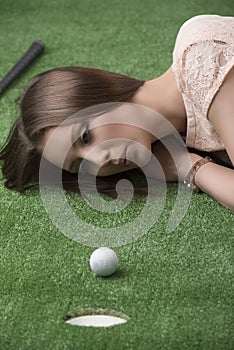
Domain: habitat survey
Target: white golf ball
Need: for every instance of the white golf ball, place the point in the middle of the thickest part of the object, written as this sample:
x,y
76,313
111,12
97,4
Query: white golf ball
x,y
104,261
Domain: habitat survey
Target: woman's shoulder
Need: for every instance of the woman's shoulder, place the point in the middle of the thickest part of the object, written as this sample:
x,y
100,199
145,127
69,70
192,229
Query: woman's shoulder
x,y
208,23
203,27
206,20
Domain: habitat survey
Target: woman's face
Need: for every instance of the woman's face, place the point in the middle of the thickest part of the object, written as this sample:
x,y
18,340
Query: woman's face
x,y
104,146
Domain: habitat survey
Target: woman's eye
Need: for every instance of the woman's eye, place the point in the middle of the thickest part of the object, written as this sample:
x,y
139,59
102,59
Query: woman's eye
x,y
85,136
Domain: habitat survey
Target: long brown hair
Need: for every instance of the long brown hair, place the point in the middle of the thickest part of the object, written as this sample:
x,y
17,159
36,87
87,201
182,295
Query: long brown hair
x,y
49,99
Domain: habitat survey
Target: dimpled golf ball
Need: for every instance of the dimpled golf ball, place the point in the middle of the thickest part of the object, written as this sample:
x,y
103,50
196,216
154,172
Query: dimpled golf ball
x,y
104,261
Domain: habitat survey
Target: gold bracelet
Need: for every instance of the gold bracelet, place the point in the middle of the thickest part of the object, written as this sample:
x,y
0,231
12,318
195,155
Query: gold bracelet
x,y
189,180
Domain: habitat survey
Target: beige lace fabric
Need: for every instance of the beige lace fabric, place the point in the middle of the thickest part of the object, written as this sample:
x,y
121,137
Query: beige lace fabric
x,y
202,57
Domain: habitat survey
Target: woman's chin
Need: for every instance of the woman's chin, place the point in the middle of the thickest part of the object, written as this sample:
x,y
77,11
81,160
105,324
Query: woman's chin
x,y
106,172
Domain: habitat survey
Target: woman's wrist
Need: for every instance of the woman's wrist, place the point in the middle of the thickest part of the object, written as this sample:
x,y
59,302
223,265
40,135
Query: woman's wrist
x,y
197,163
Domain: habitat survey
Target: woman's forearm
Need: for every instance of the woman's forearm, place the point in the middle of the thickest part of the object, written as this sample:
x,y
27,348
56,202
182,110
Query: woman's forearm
x,y
211,178
218,182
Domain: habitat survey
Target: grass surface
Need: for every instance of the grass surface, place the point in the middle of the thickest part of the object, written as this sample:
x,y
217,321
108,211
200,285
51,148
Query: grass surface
x,y
176,288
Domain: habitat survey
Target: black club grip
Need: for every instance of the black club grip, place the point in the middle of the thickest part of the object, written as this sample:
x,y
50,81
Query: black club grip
x,y
33,52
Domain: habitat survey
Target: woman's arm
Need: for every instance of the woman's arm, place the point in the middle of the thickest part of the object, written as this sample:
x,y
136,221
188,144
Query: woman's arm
x,y
215,180
221,114
211,178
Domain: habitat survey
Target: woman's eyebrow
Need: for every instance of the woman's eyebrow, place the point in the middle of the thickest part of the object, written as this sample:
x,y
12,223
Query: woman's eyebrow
x,y
74,133
75,136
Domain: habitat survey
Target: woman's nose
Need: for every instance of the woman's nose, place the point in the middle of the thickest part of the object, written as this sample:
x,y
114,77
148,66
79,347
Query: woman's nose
x,y
99,158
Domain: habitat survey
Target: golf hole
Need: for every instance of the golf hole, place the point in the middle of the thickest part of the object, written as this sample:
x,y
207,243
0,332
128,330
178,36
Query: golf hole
x,y
95,317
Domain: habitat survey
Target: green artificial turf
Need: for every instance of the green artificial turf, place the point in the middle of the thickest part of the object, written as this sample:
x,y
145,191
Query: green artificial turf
x,y
176,288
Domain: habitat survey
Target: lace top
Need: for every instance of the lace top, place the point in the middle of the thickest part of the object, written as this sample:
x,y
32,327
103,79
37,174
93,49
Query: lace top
x,y
202,57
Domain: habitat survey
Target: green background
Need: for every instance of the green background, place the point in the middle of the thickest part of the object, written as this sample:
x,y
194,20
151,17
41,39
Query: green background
x,y
176,288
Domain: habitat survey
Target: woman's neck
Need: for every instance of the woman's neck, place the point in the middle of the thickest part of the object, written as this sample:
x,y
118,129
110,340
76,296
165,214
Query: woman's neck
x,y
162,95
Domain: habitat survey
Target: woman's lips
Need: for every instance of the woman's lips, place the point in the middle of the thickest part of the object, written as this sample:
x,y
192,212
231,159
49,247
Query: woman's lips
x,y
127,162
123,160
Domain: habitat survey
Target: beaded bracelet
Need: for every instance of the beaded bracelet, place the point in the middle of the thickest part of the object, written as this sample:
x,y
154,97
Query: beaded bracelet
x,y
189,180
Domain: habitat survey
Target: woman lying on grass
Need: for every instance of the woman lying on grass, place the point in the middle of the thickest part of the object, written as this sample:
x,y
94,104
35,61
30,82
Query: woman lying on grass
x,y
195,95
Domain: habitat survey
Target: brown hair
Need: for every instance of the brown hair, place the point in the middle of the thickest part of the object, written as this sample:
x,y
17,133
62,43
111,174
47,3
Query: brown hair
x,y
50,98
